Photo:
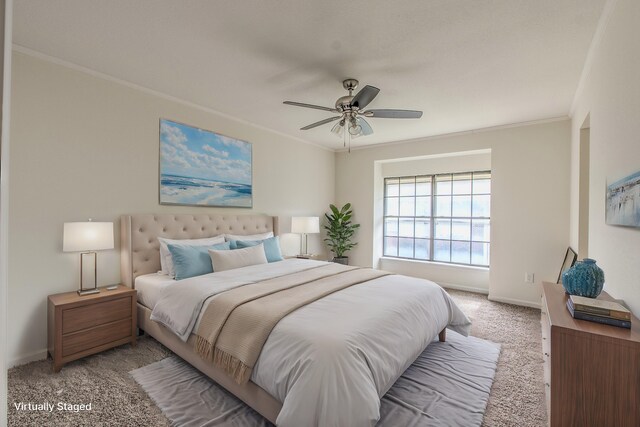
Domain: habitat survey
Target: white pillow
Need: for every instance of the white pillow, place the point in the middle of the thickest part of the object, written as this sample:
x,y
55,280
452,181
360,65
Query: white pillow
x,y
228,260
260,236
166,261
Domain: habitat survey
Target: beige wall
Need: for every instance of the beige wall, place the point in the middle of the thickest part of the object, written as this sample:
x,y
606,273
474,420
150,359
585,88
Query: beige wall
x,y
83,146
583,194
454,162
5,79
611,99
529,207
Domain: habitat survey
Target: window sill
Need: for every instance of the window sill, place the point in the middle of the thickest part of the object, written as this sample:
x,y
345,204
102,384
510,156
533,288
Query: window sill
x,y
435,263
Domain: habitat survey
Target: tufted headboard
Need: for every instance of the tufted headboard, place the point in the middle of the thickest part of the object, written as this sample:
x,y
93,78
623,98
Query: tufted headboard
x,y
140,249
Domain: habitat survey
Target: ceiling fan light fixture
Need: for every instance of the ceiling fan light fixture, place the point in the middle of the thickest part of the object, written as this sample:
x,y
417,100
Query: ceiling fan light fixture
x,y
354,128
351,112
338,129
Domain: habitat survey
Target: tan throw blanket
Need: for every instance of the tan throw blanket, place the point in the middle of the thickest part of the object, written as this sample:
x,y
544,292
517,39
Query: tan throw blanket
x,y
237,323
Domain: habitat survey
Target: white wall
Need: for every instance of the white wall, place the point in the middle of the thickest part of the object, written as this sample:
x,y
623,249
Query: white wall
x,y
452,162
467,278
84,146
530,199
6,24
583,194
611,98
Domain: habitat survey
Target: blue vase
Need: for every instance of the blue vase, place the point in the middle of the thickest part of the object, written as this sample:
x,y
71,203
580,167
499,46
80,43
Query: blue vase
x,y
585,279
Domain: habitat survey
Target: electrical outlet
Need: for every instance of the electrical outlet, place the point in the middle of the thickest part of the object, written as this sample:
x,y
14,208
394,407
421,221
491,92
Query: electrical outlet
x,y
529,278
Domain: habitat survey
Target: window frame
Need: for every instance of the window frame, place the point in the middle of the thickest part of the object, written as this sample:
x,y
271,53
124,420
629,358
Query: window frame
x,y
433,217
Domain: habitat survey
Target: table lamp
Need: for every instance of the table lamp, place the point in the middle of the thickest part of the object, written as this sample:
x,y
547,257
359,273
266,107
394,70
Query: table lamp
x,y
86,238
305,225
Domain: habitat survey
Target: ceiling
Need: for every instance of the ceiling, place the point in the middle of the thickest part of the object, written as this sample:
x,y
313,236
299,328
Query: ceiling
x,y
466,64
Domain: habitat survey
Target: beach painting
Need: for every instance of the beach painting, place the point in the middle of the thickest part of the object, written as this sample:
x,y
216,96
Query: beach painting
x,y
202,168
623,201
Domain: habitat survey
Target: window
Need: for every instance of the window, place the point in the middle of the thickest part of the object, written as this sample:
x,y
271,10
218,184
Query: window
x,y
443,218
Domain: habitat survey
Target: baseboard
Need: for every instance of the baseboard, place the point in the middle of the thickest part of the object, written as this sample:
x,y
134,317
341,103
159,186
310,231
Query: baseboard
x,y
31,357
515,302
491,298
464,288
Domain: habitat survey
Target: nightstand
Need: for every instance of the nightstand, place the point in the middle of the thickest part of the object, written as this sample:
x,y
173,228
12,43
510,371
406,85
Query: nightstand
x,y
316,257
79,326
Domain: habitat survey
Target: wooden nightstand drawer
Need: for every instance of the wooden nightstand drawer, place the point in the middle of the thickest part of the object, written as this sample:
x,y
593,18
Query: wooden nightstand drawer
x,y
79,326
76,319
88,339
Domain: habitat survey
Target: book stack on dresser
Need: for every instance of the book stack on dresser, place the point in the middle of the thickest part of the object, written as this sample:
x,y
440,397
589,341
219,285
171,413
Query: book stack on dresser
x,y
593,310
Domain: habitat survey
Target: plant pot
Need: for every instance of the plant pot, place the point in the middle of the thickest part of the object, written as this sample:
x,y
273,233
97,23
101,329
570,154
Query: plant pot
x,y
584,279
341,260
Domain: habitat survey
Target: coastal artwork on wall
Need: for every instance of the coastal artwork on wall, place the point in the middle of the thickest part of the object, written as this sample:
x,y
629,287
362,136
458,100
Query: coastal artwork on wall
x,y
203,168
623,201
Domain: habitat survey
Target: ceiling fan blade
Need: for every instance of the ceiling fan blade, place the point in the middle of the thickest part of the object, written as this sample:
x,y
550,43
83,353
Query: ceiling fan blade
x,y
365,96
393,114
320,123
366,127
315,107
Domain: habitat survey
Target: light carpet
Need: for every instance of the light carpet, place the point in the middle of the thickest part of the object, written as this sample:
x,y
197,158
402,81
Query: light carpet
x,y
447,385
516,398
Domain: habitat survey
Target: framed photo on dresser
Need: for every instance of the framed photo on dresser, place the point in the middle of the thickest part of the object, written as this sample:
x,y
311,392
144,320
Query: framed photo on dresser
x,y
570,258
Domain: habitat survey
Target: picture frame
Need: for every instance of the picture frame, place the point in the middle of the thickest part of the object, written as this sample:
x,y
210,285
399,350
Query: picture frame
x,y
623,201
570,258
200,167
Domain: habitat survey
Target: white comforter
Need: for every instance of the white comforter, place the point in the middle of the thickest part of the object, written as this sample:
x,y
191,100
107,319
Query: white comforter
x,y
331,361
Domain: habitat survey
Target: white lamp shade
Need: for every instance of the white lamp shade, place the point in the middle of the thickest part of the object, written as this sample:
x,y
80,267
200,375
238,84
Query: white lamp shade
x,y
305,224
87,236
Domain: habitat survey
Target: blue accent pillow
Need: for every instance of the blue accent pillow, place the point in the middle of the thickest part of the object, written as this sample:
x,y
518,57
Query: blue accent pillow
x,y
190,261
271,247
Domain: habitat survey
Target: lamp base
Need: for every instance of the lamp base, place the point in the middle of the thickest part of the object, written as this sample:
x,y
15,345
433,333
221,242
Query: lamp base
x,y
88,291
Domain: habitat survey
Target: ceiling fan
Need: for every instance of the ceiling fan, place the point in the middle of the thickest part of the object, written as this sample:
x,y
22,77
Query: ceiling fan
x,y
351,112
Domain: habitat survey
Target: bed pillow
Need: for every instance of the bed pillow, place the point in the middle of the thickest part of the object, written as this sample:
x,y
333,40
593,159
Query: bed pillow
x,y
271,247
190,261
166,263
228,260
233,237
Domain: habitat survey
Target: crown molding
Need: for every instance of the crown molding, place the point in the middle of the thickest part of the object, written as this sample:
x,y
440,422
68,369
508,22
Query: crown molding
x,y
42,56
33,53
454,134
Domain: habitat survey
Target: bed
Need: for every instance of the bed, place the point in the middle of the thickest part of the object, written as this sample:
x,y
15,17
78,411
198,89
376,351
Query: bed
x,y
303,372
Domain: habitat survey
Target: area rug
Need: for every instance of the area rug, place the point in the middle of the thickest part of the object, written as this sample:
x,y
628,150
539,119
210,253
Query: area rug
x,y
448,385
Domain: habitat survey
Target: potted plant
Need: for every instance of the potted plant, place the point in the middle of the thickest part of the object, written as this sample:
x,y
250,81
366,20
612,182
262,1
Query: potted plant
x,y
340,230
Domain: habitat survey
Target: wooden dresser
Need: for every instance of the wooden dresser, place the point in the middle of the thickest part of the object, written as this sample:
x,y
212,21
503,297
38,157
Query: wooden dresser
x,y
591,371
84,325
